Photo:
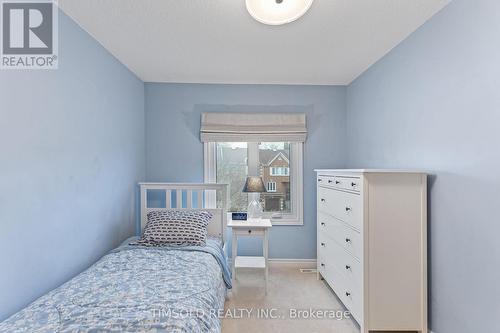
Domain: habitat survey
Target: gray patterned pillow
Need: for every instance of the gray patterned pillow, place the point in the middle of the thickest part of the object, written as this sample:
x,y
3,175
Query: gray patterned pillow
x,y
175,228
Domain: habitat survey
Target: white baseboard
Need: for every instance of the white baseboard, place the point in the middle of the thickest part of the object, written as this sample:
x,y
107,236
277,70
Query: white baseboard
x,y
302,263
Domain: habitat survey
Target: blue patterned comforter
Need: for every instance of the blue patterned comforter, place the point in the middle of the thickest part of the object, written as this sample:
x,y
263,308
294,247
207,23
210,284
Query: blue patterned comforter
x,y
136,289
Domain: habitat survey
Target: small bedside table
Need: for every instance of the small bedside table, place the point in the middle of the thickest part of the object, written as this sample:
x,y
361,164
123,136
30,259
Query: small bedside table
x,y
251,227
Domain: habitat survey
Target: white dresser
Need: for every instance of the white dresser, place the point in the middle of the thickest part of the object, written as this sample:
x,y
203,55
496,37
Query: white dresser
x,y
372,245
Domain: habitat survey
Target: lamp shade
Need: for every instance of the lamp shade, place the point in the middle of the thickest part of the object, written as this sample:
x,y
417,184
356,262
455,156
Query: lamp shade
x,y
254,185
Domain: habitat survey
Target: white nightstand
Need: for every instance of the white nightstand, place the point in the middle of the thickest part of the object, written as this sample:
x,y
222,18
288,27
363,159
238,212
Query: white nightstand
x,y
252,227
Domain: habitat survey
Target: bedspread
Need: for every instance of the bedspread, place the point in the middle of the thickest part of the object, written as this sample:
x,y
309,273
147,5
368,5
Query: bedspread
x,y
135,289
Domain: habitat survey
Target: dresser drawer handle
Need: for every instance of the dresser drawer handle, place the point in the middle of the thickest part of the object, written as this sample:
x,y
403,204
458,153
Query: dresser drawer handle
x,y
337,182
347,293
249,231
323,224
348,209
319,180
353,184
347,267
323,200
322,265
322,244
347,240
329,181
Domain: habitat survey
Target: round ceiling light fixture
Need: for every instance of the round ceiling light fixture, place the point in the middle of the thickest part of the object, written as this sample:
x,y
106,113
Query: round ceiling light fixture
x,y
277,12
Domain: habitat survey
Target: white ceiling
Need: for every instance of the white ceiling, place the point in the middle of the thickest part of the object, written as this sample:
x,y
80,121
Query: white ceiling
x,y
217,41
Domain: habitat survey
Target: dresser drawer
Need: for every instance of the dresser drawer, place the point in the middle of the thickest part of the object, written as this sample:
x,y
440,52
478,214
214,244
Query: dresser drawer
x,y
347,288
348,183
334,255
249,231
352,299
326,181
332,276
343,205
340,182
350,239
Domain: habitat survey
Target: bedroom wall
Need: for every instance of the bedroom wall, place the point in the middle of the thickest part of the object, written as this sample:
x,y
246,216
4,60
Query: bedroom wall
x,y
175,153
433,103
72,143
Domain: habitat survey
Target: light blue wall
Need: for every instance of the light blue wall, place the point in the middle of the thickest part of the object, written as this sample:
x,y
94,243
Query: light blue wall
x,y
73,141
434,103
175,153
72,148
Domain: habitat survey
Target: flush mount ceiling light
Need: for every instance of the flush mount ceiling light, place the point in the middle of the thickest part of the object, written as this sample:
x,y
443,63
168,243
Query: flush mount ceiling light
x,y
276,12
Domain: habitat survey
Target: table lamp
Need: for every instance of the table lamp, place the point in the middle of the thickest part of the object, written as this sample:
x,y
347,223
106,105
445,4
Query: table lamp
x,y
254,184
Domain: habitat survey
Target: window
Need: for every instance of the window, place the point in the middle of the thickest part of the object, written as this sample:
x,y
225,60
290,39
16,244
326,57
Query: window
x,y
265,144
278,163
279,171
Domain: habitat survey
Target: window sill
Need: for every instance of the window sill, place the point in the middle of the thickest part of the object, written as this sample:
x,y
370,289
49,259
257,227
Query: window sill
x,y
287,221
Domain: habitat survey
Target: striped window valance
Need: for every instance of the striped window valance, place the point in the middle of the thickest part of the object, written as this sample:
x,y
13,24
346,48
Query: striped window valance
x,y
253,127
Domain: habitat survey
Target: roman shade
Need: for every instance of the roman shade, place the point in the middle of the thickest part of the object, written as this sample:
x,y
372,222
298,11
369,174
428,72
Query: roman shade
x,y
253,127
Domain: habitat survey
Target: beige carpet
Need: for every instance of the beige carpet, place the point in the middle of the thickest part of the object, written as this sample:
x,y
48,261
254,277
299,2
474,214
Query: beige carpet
x,y
288,289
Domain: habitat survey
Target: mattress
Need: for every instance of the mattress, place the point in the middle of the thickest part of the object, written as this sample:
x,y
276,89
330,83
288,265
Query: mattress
x,y
136,289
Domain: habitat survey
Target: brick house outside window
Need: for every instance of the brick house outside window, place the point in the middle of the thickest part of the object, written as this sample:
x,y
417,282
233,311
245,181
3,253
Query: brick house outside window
x,y
274,170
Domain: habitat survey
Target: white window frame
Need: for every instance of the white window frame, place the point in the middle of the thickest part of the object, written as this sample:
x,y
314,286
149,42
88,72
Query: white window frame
x,y
296,216
271,189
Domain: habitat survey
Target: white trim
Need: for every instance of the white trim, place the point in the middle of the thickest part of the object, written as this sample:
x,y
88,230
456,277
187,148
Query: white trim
x,y
292,260
275,157
299,263
210,174
210,162
296,189
296,182
253,160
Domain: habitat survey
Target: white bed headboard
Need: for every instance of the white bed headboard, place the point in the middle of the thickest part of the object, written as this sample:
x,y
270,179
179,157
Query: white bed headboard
x,y
206,200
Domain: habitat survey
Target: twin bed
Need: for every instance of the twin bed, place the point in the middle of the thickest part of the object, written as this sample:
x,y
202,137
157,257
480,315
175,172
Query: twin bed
x,y
144,289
